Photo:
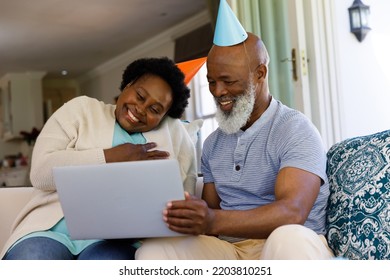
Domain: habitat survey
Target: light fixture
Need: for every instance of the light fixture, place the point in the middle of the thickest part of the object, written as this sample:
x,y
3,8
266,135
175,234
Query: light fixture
x,y
358,19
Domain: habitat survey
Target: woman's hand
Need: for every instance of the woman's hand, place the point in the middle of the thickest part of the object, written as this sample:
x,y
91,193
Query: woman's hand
x,y
133,152
189,216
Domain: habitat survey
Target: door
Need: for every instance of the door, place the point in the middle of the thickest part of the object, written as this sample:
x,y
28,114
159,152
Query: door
x,y
298,58
280,24
303,66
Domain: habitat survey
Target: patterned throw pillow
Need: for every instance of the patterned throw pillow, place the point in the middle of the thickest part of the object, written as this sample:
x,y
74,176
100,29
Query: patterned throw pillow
x,y
358,215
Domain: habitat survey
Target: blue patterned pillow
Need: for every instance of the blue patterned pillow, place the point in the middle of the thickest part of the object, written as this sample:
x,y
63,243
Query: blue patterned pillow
x,y
358,216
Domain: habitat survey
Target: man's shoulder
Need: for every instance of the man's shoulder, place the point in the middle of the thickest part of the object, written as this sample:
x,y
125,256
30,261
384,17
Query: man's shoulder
x,y
287,118
285,113
213,136
291,126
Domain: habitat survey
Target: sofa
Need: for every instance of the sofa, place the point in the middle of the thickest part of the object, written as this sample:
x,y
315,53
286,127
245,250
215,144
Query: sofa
x,y
12,200
358,213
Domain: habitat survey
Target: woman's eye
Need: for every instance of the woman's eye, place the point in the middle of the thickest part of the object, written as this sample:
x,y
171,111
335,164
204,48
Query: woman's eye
x,y
154,110
139,96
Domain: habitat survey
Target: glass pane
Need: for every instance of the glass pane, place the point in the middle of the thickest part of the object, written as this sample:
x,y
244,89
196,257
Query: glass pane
x,y
355,19
209,125
205,100
208,104
364,18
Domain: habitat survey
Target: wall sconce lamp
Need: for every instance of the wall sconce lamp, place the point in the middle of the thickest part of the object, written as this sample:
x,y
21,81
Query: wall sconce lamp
x,y
358,19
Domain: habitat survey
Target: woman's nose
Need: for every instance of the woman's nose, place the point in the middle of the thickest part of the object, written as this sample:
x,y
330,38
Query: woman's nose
x,y
140,109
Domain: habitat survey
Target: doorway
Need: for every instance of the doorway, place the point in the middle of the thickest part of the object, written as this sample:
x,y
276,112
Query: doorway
x,y
303,66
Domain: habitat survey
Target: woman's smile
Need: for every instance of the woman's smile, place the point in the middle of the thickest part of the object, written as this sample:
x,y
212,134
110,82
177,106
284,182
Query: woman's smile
x,y
133,118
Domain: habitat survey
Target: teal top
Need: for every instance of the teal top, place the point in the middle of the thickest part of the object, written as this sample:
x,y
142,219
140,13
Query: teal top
x,y
121,136
59,231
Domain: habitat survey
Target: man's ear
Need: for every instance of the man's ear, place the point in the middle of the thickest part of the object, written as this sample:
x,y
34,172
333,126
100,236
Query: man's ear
x,y
261,72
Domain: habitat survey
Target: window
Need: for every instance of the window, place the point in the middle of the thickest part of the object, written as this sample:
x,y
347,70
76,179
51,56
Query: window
x,y
190,46
202,106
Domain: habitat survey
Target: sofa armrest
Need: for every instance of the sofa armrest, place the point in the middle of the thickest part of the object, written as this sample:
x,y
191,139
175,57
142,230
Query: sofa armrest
x,y
12,200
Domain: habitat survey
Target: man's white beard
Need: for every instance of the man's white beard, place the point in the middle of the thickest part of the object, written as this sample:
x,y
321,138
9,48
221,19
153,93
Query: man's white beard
x,y
231,122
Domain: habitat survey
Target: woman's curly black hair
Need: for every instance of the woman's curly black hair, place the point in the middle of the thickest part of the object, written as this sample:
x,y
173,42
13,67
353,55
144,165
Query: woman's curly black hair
x,y
166,69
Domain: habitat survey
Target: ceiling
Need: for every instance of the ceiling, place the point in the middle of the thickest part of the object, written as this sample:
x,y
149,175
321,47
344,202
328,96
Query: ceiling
x,y
78,35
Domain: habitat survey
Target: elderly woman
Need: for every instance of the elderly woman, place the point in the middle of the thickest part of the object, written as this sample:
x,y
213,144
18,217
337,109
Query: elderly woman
x,y
143,125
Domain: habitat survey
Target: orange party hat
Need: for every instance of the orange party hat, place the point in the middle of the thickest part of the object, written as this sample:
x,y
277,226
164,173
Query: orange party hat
x,y
191,67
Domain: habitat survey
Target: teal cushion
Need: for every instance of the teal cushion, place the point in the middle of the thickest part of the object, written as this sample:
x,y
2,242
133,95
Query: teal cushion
x,y
358,214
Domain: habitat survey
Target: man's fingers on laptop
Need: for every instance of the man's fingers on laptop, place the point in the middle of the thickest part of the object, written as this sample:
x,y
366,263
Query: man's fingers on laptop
x,y
190,202
186,225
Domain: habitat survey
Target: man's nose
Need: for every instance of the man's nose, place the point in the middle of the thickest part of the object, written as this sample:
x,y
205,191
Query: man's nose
x,y
219,90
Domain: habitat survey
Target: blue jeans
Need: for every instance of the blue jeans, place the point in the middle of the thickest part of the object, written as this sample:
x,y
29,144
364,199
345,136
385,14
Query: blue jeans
x,y
43,248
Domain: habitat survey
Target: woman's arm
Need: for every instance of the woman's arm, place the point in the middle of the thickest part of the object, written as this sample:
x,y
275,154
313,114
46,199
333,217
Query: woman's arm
x,y
66,139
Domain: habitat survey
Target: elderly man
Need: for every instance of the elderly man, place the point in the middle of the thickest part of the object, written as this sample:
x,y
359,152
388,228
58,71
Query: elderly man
x,y
265,185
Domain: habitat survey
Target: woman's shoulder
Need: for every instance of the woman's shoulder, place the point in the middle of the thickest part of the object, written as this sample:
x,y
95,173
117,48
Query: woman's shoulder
x,y
171,124
180,130
84,99
84,105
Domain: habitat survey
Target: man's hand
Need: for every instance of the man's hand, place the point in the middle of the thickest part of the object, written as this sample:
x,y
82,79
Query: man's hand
x,y
189,216
133,152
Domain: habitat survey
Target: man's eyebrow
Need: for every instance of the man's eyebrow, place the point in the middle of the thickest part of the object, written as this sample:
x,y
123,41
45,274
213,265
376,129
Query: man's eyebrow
x,y
222,77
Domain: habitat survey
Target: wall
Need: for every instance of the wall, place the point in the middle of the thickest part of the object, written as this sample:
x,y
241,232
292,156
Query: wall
x,y
364,75
56,92
21,110
363,69
103,82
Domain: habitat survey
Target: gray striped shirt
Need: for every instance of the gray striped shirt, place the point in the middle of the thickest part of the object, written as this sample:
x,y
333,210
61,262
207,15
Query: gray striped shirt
x,y
244,165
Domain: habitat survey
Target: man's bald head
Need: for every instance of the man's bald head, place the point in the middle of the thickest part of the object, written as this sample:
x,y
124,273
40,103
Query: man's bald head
x,y
251,52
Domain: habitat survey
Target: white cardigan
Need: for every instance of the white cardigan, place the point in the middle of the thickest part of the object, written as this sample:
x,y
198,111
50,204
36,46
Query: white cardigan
x,y
76,134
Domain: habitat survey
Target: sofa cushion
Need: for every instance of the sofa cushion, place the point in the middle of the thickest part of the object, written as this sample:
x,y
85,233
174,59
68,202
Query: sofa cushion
x,y
193,129
358,216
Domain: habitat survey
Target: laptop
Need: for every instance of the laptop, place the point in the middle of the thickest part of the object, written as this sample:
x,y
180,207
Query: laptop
x,y
118,200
